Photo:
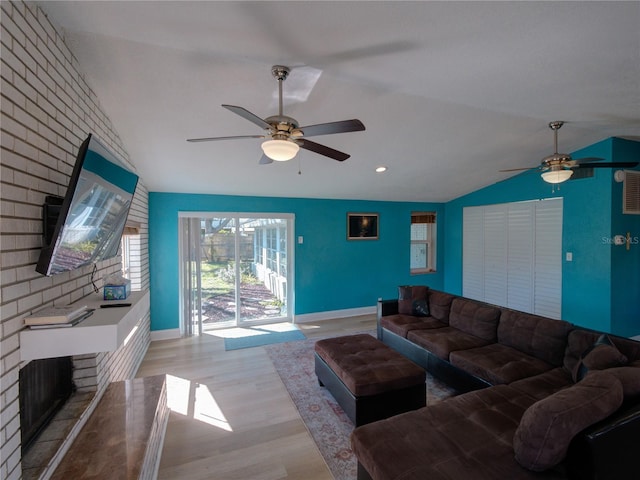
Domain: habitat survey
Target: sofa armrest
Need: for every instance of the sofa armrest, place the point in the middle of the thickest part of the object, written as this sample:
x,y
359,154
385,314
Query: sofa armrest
x,y
607,450
384,308
387,307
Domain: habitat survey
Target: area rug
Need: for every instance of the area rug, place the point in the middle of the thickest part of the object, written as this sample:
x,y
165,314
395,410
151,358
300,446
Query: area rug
x,y
327,423
258,336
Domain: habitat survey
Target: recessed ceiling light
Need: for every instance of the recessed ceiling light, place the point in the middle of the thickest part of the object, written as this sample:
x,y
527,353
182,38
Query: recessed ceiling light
x,y
381,169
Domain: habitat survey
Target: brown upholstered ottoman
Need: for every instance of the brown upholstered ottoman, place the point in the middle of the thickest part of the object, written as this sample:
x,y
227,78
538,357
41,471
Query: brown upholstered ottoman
x,y
369,380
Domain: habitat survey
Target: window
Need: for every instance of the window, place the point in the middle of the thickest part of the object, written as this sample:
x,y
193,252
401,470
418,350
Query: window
x,y
272,249
259,239
282,251
130,254
423,242
126,255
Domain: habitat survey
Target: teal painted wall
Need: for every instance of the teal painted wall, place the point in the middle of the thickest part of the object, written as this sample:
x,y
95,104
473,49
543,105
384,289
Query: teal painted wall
x,y
600,286
625,264
331,273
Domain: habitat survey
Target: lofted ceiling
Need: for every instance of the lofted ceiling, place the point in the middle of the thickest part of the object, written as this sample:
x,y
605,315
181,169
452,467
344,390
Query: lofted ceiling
x,y
449,92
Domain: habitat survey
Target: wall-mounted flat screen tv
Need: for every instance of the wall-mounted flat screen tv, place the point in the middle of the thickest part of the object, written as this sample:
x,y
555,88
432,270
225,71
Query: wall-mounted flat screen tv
x,y
93,213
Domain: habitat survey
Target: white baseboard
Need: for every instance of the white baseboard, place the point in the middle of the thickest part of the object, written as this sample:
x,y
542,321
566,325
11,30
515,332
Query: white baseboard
x,y
318,316
168,334
637,337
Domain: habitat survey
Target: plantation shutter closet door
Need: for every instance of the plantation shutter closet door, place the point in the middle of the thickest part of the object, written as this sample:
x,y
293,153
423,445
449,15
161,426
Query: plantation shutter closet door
x,y
548,259
512,255
473,253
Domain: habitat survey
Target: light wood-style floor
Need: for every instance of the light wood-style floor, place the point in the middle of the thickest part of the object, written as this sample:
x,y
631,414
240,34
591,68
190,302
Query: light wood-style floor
x,y
232,417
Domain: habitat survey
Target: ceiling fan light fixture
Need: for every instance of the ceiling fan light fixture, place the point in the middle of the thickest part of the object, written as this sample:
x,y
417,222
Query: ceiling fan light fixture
x,y
556,175
280,150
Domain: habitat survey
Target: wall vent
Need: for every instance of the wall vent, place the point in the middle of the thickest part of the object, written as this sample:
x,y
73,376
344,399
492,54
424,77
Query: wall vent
x,y
631,192
579,173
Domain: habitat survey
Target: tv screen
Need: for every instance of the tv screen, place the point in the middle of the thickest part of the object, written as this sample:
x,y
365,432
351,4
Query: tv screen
x,y
93,212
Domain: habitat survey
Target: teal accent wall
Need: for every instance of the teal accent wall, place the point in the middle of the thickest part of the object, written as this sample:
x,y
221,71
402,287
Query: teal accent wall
x,y
600,287
331,273
625,264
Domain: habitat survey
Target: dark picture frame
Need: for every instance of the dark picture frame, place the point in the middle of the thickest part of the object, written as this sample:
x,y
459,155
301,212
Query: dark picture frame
x,y
362,226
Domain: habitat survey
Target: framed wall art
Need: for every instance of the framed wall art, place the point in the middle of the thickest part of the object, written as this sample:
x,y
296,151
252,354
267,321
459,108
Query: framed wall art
x,y
362,226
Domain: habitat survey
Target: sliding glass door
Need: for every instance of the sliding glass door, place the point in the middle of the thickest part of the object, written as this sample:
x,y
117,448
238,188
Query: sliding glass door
x,y
236,270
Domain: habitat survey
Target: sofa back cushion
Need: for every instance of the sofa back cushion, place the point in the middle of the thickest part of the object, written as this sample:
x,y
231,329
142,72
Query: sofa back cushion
x,y
440,305
474,318
537,336
581,340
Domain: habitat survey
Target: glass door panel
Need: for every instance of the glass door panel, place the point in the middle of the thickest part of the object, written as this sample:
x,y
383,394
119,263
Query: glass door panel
x,y
218,272
263,273
236,271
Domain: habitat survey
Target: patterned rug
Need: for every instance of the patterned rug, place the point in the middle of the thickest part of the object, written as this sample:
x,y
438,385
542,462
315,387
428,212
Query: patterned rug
x,y
328,424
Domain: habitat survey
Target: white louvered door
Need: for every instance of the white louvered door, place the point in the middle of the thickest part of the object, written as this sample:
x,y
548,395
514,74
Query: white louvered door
x,y
520,256
473,252
512,255
547,300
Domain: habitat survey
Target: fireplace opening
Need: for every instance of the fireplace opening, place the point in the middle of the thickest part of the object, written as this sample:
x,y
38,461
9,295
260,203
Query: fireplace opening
x,y
45,386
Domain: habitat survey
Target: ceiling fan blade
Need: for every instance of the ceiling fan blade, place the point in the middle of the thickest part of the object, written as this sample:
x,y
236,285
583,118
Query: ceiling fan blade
x,y
607,165
587,159
264,160
246,114
342,126
517,169
322,150
234,137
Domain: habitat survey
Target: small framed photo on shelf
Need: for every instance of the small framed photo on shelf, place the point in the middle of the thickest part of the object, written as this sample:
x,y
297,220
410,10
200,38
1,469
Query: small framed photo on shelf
x,y
362,226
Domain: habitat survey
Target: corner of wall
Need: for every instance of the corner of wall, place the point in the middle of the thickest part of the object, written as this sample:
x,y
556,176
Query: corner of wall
x,y
625,262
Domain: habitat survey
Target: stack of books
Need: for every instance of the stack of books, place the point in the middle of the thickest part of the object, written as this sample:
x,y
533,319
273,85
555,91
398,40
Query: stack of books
x,y
56,317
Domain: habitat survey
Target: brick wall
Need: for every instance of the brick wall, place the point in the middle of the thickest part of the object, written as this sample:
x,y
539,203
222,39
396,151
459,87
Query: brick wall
x,y
48,108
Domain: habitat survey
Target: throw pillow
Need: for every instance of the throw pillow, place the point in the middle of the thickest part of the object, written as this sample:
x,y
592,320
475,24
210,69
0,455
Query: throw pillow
x,y
547,427
420,308
409,297
599,356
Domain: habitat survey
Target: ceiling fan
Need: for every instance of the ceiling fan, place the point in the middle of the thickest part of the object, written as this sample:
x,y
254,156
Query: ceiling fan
x,y
558,167
284,135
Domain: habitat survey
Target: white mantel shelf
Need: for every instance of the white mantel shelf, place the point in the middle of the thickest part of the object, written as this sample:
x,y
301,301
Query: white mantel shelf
x,y
104,331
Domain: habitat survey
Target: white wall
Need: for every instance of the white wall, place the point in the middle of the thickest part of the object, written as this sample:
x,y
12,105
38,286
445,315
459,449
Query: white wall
x,y
48,108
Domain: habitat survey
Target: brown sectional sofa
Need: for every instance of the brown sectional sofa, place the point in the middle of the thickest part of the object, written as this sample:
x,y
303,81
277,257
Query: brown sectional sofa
x,y
538,398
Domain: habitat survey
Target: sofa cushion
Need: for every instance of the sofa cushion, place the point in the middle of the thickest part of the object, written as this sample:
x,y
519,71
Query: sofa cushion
x,y
412,300
403,324
540,337
367,366
580,340
440,305
474,318
498,364
442,341
545,384
547,427
599,356
469,436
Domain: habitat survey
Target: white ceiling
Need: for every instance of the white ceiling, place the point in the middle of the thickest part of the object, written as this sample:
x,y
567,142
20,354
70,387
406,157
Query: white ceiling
x,y
449,92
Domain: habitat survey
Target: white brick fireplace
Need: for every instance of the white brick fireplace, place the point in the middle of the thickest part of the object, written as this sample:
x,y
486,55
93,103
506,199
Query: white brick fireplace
x,y
48,108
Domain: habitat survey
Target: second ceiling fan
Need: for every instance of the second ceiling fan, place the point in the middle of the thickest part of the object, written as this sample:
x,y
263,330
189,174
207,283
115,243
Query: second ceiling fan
x,y
285,135
558,167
